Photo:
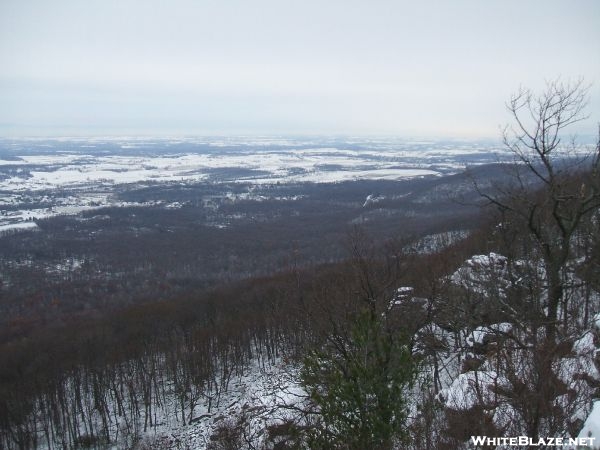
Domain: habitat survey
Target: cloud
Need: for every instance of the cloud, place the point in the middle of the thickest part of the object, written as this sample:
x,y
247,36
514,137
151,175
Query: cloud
x,y
386,66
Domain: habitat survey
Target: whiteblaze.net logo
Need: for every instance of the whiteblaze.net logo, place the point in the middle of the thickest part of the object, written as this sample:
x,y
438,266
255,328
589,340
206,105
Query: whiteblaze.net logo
x,y
530,442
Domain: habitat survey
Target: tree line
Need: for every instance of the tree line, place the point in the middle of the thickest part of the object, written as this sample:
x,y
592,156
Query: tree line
x,y
487,345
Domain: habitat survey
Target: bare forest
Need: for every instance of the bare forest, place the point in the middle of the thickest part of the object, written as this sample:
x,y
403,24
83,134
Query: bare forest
x,y
410,314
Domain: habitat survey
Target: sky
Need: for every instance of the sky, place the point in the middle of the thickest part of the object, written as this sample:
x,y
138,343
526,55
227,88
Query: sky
x,y
276,67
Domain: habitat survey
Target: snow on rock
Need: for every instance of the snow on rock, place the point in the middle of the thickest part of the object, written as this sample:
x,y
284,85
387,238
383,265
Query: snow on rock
x,y
403,294
480,272
465,386
591,427
432,337
404,297
480,335
585,345
404,290
573,370
597,321
470,389
491,260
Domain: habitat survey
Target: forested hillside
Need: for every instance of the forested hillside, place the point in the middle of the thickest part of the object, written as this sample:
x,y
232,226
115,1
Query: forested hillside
x,y
424,314
463,319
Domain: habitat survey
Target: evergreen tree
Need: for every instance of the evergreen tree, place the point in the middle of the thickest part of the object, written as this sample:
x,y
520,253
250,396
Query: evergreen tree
x,y
358,383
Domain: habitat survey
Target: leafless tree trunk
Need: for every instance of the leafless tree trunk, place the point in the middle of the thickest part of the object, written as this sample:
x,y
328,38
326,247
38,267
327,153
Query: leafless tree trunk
x,y
565,178
554,186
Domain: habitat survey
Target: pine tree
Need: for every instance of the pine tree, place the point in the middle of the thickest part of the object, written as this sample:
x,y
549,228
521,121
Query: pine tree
x,y
358,384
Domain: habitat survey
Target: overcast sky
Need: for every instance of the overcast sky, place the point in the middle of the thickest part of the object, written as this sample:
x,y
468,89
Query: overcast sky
x,y
406,68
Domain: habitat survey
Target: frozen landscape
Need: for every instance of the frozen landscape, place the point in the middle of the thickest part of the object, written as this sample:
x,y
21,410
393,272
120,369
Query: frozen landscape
x,y
46,177
302,225
182,282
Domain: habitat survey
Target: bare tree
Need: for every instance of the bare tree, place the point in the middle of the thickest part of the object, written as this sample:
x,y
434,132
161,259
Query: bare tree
x,y
555,182
553,189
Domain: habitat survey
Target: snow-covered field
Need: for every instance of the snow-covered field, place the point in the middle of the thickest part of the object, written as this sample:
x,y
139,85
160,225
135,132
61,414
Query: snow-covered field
x,y
45,177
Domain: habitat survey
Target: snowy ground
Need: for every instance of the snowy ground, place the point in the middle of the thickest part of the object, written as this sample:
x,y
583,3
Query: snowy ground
x,y
41,177
252,402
